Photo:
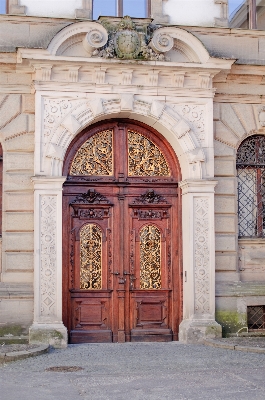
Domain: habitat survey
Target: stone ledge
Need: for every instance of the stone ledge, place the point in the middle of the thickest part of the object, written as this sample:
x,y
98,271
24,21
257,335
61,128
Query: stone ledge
x,y
19,355
221,345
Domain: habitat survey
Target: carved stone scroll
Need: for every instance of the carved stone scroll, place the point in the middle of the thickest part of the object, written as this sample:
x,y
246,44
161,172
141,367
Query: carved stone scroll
x,y
95,39
162,42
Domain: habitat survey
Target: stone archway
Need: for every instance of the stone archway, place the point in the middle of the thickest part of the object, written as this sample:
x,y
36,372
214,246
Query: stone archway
x,y
198,298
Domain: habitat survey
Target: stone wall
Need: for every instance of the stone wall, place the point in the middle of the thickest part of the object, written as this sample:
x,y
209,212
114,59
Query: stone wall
x,y
17,138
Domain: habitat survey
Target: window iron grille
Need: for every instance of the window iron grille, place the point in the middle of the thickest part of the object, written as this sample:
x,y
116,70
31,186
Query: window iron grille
x,y
256,318
251,187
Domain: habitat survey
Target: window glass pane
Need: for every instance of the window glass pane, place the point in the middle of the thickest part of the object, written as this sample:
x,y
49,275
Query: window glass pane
x,y
239,14
134,8
2,6
247,202
104,7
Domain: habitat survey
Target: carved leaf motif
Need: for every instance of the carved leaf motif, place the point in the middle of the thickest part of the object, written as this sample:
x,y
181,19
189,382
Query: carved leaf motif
x,y
95,156
144,157
91,197
150,197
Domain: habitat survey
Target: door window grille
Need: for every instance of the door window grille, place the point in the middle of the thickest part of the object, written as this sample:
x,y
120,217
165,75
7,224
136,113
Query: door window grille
x,y
251,187
256,317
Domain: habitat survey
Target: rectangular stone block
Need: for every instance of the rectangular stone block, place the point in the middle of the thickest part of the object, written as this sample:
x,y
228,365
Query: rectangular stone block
x,y
19,201
225,204
226,261
18,241
17,312
223,150
28,103
17,78
17,221
18,161
10,107
223,167
19,261
18,181
24,142
226,186
225,243
225,224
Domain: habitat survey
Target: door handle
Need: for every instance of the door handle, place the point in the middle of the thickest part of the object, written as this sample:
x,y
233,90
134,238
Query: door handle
x,y
115,273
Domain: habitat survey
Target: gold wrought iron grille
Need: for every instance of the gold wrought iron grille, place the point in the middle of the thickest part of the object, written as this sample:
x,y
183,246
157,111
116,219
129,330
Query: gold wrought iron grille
x,y
256,317
150,257
90,257
251,187
95,156
144,157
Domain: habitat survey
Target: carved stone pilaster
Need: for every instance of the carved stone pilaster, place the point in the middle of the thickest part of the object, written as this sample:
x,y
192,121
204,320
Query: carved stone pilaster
x,y
47,326
198,262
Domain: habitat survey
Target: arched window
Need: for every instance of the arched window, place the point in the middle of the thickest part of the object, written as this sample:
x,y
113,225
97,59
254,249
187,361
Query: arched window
x,y
3,6
251,187
120,8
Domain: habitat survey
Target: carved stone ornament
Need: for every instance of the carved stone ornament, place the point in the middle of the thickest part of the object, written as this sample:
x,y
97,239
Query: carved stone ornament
x,y
129,41
91,197
150,197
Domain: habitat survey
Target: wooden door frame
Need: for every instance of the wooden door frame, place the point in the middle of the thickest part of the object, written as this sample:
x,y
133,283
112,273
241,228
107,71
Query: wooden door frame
x,y
177,274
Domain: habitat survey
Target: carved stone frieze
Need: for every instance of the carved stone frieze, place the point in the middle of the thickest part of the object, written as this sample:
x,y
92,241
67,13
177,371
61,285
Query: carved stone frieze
x,y
91,197
150,197
129,41
48,248
201,255
195,115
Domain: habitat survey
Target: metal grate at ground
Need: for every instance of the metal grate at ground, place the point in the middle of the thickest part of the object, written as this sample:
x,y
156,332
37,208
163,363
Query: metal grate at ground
x,y
256,318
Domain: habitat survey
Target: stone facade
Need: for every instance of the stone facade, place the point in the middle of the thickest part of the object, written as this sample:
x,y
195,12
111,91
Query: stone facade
x,y
188,86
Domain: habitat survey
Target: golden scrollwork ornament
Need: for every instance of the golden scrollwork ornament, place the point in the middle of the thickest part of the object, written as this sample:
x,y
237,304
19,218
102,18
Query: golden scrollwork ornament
x,y
90,257
150,257
144,157
95,156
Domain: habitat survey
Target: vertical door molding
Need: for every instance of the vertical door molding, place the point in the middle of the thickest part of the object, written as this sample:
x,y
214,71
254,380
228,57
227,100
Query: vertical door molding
x,y
47,325
198,262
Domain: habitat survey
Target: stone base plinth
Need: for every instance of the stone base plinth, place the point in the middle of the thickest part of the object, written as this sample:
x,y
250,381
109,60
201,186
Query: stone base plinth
x,y
53,334
191,331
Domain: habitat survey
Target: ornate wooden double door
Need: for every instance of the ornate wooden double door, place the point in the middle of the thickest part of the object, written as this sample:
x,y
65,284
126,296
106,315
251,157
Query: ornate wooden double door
x,y
121,235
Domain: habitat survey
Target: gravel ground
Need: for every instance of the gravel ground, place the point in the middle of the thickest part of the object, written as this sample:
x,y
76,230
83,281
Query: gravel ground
x,y
136,371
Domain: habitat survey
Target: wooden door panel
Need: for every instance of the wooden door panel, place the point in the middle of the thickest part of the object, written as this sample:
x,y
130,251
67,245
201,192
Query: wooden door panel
x,y
150,316
91,317
133,196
